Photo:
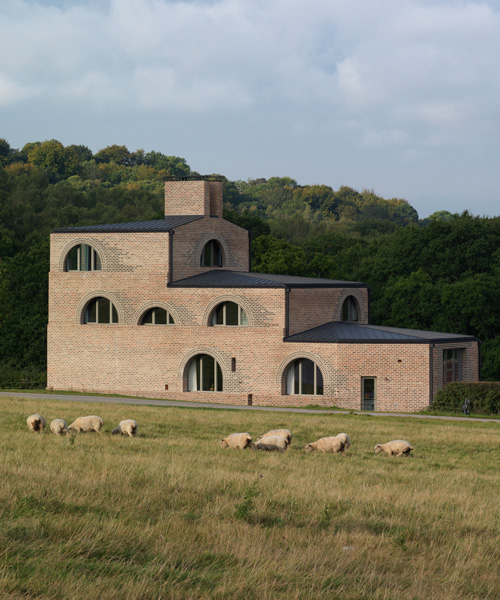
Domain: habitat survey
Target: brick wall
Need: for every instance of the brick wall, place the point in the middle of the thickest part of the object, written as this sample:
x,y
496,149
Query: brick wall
x,y
193,198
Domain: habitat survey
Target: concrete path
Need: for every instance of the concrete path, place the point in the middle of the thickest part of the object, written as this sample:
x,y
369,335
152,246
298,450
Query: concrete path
x,y
152,402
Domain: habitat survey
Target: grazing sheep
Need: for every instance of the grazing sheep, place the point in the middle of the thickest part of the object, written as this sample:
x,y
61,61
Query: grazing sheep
x,y
59,426
283,432
346,439
394,448
36,422
237,441
92,423
327,444
273,442
126,427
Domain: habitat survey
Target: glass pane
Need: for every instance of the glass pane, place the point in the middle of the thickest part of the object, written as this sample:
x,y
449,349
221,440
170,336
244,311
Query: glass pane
x,y
85,257
345,310
72,259
207,255
103,310
319,382
148,317
192,377
353,310
296,377
243,317
217,255
219,377
91,315
115,313
97,262
307,377
231,313
207,373
290,379
160,316
368,400
219,315
170,319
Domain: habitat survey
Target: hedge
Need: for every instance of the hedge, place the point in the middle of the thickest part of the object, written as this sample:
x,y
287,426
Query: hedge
x,y
483,396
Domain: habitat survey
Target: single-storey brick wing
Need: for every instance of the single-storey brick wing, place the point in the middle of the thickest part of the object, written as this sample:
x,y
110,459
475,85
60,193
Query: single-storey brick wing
x,y
169,309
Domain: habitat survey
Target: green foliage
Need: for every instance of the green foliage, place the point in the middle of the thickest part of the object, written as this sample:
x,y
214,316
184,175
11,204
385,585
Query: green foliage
x,y
484,398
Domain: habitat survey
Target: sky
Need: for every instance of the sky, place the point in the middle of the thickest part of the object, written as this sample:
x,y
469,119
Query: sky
x,y
401,97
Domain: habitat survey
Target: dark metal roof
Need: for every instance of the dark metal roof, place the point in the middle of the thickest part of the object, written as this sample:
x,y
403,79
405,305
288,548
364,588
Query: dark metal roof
x,y
166,224
222,278
353,332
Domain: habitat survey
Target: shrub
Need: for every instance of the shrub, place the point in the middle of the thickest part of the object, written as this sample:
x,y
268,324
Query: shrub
x,y
484,397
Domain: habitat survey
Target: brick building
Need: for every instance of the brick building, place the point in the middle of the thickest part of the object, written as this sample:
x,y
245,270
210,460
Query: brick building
x,y
169,309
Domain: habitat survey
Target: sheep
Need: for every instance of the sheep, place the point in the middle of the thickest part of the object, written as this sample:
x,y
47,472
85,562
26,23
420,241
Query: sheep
x,y
36,422
283,432
59,426
327,444
395,448
92,423
237,441
126,427
273,442
346,439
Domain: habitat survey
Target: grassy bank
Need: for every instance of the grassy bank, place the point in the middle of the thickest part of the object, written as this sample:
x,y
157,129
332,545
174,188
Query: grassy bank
x,y
171,515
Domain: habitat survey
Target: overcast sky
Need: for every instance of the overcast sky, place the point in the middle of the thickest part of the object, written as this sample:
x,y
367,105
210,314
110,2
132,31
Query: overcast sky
x,y
398,96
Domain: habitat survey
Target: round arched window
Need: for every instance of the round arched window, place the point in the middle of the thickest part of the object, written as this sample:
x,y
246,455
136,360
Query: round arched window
x,y
204,374
100,310
82,258
229,313
303,377
350,309
211,255
157,316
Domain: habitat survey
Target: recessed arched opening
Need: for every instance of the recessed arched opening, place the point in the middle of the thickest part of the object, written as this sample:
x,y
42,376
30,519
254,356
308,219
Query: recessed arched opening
x,y
211,255
82,257
204,374
156,316
350,309
229,314
100,310
303,377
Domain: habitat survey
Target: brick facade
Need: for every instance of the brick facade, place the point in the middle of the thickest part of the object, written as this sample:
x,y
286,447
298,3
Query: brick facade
x,y
138,269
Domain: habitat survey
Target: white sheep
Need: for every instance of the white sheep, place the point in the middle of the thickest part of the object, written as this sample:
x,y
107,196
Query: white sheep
x,y
327,444
278,443
237,441
346,439
394,448
126,427
59,426
36,422
283,432
91,423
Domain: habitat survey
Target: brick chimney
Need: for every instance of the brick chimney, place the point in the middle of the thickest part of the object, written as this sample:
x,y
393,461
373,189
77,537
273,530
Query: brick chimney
x,y
193,197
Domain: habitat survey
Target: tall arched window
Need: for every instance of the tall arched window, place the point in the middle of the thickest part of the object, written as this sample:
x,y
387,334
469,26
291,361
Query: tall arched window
x,y
204,374
82,258
211,255
100,310
229,313
304,377
350,309
157,316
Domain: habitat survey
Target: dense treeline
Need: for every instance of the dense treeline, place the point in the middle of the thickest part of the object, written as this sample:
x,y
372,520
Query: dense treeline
x,y
441,273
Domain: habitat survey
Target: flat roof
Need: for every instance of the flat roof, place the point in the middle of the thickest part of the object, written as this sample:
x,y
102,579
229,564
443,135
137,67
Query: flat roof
x,y
166,224
341,332
243,279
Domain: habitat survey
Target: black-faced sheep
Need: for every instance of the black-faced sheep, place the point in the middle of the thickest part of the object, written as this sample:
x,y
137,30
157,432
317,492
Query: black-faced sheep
x,y
283,432
59,427
237,441
36,422
272,443
91,423
327,444
394,448
126,427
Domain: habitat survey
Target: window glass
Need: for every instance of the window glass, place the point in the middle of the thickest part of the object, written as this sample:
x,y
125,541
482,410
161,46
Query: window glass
x,y
82,258
319,382
157,316
232,311
205,374
303,377
350,309
103,310
211,255
307,382
243,317
229,314
160,316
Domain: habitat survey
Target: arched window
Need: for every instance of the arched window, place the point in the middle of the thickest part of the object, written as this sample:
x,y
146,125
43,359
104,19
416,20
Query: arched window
x,y
211,255
100,310
157,316
82,258
350,309
204,374
304,377
229,313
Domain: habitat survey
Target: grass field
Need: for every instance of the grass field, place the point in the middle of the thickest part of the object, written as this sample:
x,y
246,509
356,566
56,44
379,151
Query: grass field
x,y
169,514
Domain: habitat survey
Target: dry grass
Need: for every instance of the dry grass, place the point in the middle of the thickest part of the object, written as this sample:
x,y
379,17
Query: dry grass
x,y
171,515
